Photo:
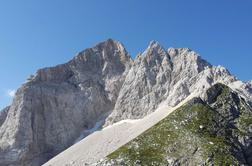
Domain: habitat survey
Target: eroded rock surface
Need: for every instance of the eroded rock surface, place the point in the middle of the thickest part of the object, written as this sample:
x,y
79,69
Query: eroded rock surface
x,y
3,115
169,76
51,110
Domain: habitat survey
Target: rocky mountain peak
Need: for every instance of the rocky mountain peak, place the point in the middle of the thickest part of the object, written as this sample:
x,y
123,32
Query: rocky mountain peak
x,y
56,105
154,45
172,52
109,51
100,85
154,56
154,49
106,58
111,45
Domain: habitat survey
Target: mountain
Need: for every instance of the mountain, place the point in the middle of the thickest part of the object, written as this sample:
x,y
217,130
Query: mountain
x,y
108,139
99,89
51,110
3,115
158,75
216,131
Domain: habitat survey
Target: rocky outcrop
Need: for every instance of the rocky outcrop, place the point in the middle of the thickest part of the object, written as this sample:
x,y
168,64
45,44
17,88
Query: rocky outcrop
x,y
3,115
145,85
169,76
156,75
51,110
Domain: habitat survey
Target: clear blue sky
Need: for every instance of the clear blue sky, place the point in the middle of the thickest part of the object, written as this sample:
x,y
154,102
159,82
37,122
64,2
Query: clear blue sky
x,y
35,34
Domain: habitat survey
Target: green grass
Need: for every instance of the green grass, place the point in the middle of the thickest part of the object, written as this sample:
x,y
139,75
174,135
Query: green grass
x,y
175,136
194,133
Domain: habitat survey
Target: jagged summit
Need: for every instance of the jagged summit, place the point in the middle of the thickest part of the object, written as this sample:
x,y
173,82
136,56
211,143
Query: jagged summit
x,y
53,108
155,49
154,45
112,45
100,86
108,50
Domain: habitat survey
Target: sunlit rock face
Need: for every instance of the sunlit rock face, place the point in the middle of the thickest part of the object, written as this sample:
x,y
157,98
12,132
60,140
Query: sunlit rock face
x,y
169,76
53,108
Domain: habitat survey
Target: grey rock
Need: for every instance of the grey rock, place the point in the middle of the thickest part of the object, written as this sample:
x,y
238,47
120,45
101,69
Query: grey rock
x,y
3,115
156,75
145,85
169,76
51,110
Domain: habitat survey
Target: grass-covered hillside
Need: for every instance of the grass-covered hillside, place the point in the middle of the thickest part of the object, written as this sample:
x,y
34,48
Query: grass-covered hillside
x,y
216,131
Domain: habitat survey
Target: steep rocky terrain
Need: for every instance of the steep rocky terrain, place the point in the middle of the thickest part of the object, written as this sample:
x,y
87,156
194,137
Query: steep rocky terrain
x,y
51,110
158,75
3,115
216,131
102,142
100,86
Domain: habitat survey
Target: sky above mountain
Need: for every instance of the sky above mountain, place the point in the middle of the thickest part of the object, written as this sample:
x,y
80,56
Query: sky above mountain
x,y
35,34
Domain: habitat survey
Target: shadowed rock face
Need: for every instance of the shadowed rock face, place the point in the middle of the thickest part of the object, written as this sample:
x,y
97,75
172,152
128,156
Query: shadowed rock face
x,y
51,110
216,131
3,115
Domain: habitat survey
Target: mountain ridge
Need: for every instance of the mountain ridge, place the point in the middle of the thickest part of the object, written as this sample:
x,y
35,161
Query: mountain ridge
x,y
51,110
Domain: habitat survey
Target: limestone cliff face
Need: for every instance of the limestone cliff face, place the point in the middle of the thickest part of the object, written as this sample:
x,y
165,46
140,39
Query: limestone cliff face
x,y
145,85
169,76
51,110
3,115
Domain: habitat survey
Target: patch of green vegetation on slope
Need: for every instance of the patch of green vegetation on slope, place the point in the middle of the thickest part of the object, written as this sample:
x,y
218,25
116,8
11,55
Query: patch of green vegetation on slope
x,y
187,130
194,134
